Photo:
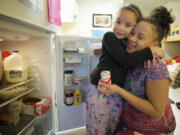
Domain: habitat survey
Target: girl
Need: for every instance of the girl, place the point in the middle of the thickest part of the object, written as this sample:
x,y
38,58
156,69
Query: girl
x,y
147,109
103,112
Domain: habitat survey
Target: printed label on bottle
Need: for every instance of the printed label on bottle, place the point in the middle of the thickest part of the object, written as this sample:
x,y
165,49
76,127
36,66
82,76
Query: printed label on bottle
x,y
69,100
15,74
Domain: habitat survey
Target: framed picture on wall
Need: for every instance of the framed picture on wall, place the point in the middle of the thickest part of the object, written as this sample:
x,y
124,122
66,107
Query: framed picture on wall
x,y
102,20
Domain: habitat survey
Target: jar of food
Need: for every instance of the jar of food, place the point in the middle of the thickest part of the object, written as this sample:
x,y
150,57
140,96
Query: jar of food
x,y
68,97
68,75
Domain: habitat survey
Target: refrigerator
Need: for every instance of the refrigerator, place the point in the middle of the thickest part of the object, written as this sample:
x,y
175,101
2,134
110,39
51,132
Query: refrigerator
x,y
45,52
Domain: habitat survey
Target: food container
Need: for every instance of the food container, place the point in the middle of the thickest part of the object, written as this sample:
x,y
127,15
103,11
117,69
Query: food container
x,y
68,97
79,81
73,59
36,106
11,93
68,75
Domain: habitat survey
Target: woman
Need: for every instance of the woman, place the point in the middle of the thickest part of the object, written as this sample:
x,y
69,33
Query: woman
x,y
103,112
146,109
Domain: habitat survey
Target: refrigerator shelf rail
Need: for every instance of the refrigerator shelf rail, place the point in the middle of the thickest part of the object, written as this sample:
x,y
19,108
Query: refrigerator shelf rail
x,y
10,86
15,98
25,123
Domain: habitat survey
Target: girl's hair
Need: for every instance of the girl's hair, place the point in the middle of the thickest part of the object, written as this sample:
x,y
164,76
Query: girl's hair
x,y
133,8
161,18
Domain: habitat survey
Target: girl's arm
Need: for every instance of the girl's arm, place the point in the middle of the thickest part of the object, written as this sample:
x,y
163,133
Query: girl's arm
x,y
156,92
116,49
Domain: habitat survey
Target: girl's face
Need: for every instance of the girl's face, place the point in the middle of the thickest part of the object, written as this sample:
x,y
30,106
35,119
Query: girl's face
x,y
143,35
124,23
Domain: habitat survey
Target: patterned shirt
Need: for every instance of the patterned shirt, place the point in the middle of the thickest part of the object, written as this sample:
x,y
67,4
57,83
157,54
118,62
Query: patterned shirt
x,y
135,83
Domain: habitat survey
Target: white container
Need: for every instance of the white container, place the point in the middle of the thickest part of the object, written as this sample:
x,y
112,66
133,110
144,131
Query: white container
x,y
15,68
0,65
106,77
68,76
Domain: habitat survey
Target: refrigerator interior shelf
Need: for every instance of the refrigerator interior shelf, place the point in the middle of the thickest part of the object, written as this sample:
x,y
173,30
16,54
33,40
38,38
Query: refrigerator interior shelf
x,y
25,122
15,98
10,86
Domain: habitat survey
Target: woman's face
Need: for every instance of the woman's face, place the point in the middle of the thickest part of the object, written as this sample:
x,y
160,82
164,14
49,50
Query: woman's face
x,y
143,35
124,23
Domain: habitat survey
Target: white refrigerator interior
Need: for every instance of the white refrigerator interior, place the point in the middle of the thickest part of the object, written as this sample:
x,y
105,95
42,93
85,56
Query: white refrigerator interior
x,y
44,52
38,48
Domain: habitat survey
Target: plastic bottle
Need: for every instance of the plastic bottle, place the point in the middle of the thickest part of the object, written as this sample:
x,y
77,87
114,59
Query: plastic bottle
x,y
15,68
0,66
68,75
77,97
4,55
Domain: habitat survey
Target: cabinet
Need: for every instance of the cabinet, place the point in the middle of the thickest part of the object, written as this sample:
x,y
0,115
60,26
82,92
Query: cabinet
x,y
171,44
69,11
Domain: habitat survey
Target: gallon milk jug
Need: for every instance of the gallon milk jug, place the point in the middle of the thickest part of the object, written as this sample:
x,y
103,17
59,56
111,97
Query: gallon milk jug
x,y
15,68
0,65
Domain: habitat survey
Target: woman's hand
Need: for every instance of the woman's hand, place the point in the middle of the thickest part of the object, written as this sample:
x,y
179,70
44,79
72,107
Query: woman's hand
x,y
107,88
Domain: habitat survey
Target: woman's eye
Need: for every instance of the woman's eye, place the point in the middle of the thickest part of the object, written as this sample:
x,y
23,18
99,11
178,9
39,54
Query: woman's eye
x,y
140,37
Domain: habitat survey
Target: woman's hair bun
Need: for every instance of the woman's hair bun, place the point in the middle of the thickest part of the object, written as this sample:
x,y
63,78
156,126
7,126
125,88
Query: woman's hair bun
x,y
163,18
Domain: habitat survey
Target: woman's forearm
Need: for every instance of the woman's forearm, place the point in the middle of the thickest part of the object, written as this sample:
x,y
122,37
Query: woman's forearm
x,y
140,104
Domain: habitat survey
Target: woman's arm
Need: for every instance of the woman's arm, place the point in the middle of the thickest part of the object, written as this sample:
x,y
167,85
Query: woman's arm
x,y
116,49
157,96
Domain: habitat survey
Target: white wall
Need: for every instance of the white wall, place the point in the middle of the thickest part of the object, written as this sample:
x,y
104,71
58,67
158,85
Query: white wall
x,y
83,26
149,5
89,7
175,6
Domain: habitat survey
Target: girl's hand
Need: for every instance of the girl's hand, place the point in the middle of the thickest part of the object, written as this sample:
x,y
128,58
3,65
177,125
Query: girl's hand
x,y
157,51
107,88
147,64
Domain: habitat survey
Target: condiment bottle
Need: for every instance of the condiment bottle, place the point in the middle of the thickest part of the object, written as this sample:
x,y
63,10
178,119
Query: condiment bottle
x,y
77,97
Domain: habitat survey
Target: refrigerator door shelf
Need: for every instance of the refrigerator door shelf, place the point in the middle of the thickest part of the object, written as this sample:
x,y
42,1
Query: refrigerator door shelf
x,y
73,59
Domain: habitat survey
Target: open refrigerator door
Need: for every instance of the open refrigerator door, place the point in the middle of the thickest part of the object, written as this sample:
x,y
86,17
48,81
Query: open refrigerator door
x,y
28,106
74,59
